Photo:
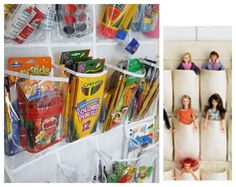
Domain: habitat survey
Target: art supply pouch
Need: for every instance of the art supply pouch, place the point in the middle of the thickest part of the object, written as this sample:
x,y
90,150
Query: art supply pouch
x,y
121,89
41,103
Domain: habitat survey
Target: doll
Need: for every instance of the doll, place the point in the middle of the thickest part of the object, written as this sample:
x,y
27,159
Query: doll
x,y
185,114
215,111
187,64
214,63
188,165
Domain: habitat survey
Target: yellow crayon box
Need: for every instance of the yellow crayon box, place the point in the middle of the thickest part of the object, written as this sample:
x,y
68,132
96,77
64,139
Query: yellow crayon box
x,y
87,103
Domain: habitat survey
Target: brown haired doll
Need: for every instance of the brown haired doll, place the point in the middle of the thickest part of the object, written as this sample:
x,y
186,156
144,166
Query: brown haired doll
x,y
185,114
214,63
215,111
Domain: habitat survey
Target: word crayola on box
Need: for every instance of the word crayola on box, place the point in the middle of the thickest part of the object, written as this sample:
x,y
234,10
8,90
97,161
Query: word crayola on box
x,y
85,92
88,104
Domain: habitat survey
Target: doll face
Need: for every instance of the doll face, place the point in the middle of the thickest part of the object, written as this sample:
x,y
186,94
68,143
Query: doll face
x,y
214,103
214,58
186,58
186,102
187,167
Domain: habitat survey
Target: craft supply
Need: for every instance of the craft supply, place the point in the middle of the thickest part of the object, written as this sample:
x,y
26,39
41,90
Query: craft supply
x,y
87,104
126,22
16,20
68,58
48,23
140,135
30,65
124,93
40,103
85,92
32,24
11,125
110,19
154,32
73,20
144,173
41,115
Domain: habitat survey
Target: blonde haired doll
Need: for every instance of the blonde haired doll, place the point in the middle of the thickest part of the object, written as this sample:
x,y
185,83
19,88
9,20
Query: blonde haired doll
x,y
187,64
185,114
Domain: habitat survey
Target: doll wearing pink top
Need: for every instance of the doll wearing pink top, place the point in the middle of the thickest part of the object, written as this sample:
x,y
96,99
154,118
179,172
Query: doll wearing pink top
x,y
187,64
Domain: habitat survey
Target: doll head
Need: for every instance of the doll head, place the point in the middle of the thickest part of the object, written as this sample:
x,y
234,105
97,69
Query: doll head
x,y
186,101
189,164
186,58
215,101
214,56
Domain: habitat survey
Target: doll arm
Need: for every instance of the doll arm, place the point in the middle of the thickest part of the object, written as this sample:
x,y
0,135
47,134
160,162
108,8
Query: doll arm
x,y
177,176
221,66
180,66
196,69
206,121
222,124
176,123
194,176
194,121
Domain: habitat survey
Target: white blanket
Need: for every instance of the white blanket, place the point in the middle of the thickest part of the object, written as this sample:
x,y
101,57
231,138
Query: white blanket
x,y
212,82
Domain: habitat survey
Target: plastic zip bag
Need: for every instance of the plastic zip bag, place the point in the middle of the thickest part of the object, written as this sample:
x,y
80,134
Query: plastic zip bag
x,y
41,104
120,91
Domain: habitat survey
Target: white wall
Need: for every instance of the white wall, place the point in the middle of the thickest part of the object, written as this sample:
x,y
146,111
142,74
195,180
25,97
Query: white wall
x,y
201,33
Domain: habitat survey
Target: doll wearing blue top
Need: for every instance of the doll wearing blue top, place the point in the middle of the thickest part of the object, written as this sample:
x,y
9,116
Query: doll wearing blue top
x,y
214,63
215,111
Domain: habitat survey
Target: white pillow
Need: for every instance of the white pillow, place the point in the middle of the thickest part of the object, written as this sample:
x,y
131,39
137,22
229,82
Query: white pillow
x,y
212,82
186,82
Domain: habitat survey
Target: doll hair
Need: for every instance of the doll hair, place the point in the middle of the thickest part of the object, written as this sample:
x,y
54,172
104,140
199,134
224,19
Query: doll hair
x,y
193,163
214,53
186,54
185,97
219,105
